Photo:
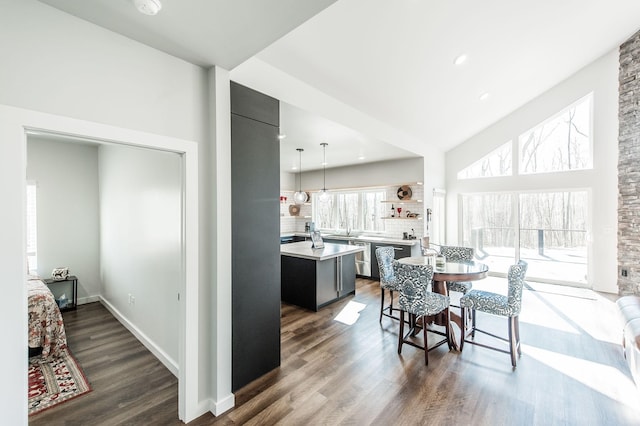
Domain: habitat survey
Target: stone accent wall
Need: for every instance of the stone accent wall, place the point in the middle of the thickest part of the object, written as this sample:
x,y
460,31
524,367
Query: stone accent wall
x,y
629,167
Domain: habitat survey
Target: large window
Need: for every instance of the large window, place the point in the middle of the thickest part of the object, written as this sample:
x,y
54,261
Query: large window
x,y
553,235
350,210
547,229
489,226
496,163
561,143
32,227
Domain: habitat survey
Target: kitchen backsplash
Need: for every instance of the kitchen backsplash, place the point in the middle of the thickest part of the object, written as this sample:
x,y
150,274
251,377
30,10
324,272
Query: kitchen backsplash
x,y
394,228
289,223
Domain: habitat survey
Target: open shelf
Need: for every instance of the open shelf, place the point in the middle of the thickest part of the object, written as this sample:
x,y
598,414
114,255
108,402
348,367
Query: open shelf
x,y
401,218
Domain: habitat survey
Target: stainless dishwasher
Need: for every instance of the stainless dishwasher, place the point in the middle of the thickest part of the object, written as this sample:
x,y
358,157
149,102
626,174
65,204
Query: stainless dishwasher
x,y
363,258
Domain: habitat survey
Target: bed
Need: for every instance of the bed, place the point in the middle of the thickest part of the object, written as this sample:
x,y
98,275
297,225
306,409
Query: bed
x,y
46,328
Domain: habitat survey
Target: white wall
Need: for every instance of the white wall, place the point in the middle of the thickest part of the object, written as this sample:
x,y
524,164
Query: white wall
x,y
55,63
140,244
601,78
381,173
66,175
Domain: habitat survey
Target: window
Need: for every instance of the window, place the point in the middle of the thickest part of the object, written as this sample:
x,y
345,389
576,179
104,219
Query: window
x,y
547,229
438,214
561,143
496,163
32,231
352,210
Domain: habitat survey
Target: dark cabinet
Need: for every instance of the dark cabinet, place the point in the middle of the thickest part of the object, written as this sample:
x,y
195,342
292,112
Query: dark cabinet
x,y
255,184
292,239
313,284
400,250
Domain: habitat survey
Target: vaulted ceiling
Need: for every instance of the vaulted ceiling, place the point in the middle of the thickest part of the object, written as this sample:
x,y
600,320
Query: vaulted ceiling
x,y
391,60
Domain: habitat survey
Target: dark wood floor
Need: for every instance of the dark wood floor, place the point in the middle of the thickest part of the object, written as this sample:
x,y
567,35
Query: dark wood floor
x,y
571,371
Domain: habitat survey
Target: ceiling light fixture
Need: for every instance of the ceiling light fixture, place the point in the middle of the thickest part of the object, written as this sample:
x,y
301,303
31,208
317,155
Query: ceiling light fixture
x,y
300,197
324,194
281,136
148,7
484,96
460,60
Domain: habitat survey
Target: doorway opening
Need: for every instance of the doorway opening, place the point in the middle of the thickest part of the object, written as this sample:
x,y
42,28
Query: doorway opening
x,y
15,125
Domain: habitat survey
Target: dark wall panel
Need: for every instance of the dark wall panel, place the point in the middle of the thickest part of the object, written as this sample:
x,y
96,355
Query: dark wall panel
x,y
255,105
255,174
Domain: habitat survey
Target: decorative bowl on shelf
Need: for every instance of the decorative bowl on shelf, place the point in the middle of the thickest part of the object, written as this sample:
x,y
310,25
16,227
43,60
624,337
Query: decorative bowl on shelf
x,y
404,192
294,210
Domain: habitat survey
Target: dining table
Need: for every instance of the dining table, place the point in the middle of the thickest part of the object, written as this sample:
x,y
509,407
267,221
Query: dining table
x,y
460,271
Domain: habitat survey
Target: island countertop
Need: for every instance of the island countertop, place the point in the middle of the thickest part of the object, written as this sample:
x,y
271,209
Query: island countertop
x,y
303,250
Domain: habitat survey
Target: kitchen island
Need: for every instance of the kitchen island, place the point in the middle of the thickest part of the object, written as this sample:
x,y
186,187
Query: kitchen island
x,y
313,278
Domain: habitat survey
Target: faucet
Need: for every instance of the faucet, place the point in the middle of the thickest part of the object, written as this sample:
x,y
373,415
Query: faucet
x,y
347,228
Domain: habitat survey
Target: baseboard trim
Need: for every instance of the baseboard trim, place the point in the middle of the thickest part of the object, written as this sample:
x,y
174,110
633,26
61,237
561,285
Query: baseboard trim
x,y
225,404
89,299
171,365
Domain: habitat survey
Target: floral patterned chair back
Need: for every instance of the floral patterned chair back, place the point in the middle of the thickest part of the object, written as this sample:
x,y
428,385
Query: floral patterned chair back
x,y
385,256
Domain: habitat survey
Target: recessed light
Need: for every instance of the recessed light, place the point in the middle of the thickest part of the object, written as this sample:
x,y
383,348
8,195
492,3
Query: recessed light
x,y
281,136
460,59
362,157
294,168
484,96
148,7
323,163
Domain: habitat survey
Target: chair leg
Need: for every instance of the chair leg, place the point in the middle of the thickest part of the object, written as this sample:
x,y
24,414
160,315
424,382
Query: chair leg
x,y
512,341
463,326
447,329
426,342
517,323
381,302
473,323
401,333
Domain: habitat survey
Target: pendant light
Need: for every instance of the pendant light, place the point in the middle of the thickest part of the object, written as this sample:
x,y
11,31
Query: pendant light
x,y
300,197
324,194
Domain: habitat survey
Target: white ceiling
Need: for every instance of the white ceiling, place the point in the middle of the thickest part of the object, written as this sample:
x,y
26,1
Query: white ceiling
x,y
392,60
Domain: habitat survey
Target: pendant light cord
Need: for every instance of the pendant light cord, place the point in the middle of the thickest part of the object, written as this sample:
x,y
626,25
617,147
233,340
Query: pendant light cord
x,y
324,167
300,169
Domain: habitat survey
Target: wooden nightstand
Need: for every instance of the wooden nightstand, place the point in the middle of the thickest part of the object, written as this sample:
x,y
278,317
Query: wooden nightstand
x,y
57,288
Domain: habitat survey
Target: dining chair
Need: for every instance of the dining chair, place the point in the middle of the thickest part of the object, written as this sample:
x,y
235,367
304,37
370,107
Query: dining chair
x,y
497,304
385,256
416,300
457,254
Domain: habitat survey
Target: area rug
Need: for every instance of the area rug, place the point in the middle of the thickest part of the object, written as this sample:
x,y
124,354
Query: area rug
x,y
54,382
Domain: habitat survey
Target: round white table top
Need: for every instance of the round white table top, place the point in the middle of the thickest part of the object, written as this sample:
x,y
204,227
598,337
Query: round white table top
x,y
449,268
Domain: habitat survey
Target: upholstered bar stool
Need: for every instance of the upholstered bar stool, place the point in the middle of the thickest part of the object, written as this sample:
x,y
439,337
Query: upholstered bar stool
x,y
497,304
457,254
385,256
416,299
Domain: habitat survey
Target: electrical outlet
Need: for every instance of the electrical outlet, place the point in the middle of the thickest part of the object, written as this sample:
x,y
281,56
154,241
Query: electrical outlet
x,y
624,272
132,300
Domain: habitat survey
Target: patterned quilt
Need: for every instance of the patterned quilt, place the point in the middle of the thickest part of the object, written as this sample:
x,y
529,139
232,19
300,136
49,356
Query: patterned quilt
x,y
46,328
